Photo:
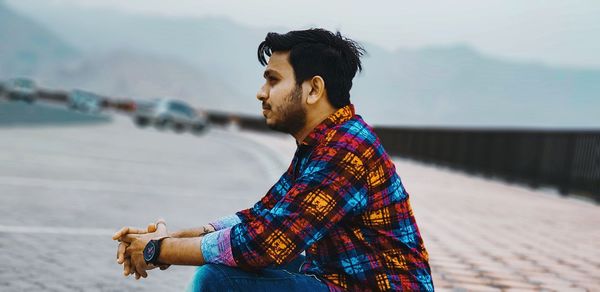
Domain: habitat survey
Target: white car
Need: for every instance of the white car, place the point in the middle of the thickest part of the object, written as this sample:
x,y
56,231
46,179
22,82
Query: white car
x,y
168,113
85,101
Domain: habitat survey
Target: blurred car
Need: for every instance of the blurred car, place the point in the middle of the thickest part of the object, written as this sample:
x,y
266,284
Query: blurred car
x,y
168,113
144,112
21,89
85,101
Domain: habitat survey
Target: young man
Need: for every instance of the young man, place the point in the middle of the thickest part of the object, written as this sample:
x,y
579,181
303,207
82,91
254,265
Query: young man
x,y
340,201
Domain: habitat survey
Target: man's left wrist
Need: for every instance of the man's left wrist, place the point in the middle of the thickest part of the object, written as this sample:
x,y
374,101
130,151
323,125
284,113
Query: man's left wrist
x,y
152,250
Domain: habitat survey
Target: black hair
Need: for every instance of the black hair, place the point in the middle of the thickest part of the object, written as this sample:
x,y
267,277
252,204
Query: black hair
x,y
319,52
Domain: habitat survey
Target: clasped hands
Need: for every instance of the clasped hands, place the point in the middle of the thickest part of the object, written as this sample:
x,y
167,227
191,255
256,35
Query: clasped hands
x,y
132,242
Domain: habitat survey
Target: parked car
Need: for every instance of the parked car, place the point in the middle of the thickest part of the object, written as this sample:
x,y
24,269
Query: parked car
x,y
21,89
85,101
144,112
168,113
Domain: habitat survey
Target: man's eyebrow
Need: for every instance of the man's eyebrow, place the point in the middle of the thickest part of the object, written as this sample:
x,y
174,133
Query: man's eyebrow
x,y
269,72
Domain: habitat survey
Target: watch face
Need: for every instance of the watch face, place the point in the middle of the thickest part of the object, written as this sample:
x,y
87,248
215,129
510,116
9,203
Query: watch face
x,y
149,251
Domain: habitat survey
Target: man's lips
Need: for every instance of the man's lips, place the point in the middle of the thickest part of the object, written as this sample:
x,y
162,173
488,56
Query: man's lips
x,y
266,108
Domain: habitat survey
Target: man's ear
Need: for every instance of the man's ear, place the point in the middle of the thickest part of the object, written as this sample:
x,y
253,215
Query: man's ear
x,y
316,90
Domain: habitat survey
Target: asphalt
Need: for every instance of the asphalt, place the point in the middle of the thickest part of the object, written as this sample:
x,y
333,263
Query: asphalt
x,y
65,189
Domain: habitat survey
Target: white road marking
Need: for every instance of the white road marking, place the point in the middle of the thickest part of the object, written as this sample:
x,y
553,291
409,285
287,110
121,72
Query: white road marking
x,y
57,230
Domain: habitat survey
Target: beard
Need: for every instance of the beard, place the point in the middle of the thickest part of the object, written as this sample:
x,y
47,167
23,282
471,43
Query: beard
x,y
292,114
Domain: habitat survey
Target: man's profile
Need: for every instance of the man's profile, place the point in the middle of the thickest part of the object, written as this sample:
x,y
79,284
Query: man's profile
x,y
340,202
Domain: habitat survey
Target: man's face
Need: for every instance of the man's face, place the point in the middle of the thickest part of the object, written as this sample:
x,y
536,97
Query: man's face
x,y
281,98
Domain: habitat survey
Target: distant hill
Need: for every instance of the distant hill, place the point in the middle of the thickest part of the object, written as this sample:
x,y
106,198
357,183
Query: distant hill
x,y
217,46
438,86
31,50
26,46
457,86
142,76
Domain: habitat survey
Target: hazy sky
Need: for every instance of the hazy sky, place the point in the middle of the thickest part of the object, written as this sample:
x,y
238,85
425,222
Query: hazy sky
x,y
559,32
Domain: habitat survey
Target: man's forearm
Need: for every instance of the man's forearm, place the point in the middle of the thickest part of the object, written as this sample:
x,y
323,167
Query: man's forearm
x,y
193,232
181,251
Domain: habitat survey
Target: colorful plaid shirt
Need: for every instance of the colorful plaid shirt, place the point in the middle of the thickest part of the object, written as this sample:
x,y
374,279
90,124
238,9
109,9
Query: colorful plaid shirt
x,y
342,202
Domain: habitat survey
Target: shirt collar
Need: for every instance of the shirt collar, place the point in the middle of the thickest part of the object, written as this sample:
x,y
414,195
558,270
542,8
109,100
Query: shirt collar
x,y
320,131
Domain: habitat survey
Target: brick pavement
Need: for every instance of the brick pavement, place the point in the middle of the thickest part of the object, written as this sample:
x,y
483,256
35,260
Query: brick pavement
x,y
482,235
486,235
65,189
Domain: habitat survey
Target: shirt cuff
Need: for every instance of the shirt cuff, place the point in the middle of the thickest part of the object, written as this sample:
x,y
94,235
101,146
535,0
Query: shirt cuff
x,y
216,247
225,222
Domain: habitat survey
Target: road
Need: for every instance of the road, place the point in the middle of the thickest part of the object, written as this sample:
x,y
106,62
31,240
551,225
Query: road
x,y
65,189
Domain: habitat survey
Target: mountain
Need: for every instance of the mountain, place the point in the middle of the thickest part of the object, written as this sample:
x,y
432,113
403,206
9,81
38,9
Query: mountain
x,y
30,49
217,45
453,86
457,86
27,46
127,74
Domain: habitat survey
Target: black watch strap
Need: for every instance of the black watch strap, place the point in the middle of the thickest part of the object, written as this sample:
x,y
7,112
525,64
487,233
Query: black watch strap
x,y
152,251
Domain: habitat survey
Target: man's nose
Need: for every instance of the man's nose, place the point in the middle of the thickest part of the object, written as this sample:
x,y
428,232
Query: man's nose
x,y
262,94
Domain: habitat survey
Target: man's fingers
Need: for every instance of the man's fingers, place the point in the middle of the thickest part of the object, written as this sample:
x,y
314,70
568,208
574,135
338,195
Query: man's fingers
x,y
121,252
151,227
139,264
127,267
120,233
131,268
129,237
127,230
161,225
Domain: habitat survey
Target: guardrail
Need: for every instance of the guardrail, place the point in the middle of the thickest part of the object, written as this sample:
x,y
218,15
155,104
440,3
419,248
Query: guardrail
x,y
243,121
568,160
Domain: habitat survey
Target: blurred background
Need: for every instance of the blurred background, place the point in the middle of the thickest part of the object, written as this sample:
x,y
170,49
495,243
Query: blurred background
x,y
114,113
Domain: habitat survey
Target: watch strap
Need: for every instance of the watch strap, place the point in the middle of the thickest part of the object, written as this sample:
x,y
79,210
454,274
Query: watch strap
x,y
157,242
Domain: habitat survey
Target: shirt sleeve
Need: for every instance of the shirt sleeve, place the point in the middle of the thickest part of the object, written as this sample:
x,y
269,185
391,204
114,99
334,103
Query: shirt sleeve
x,y
216,246
268,200
225,222
331,186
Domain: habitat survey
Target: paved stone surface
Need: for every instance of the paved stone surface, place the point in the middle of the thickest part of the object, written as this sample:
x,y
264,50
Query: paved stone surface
x,y
63,190
485,235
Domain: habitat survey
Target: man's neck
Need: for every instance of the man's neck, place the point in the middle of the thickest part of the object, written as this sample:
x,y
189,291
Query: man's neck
x,y
311,123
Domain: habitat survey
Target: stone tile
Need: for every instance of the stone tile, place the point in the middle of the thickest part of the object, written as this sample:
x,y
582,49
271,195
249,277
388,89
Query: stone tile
x,y
482,235
477,287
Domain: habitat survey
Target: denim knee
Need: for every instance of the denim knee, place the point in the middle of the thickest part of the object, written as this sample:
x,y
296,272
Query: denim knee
x,y
208,278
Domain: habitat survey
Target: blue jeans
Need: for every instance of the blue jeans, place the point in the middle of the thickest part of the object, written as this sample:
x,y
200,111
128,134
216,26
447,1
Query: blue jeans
x,y
216,277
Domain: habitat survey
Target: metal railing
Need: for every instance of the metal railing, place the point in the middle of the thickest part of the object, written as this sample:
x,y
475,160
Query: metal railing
x,y
568,160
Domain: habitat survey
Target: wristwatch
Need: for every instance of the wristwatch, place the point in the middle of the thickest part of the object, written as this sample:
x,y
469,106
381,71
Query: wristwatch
x,y
152,251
